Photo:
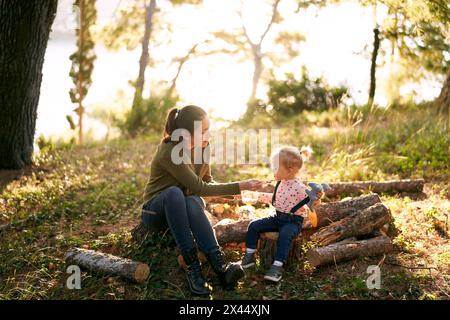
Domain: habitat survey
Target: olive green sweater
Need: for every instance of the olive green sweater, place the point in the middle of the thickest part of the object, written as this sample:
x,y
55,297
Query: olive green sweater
x,y
193,179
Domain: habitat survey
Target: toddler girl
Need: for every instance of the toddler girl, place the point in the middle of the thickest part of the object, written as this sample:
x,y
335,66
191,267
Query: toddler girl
x,y
289,199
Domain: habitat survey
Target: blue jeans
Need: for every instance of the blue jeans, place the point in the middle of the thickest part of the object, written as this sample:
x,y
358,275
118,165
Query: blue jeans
x,y
286,225
184,216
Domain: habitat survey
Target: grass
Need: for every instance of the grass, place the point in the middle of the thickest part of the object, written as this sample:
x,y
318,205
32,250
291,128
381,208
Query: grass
x,y
90,197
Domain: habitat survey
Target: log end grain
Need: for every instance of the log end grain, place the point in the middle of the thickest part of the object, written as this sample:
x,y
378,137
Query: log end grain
x,y
141,273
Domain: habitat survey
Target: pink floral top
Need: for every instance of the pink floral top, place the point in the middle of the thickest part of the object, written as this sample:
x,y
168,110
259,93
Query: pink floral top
x,y
289,193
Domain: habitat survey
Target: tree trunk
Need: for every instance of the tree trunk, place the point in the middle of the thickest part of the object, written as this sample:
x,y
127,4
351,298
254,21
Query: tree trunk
x,y
143,62
373,66
257,61
108,264
349,249
355,225
80,74
443,100
24,33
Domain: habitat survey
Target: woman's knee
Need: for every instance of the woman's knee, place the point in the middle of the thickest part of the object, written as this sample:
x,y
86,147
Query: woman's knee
x,y
174,193
194,208
173,201
194,202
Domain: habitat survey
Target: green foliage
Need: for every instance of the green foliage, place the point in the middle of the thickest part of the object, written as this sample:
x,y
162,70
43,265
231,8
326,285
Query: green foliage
x,y
289,97
417,145
421,46
128,29
414,37
148,116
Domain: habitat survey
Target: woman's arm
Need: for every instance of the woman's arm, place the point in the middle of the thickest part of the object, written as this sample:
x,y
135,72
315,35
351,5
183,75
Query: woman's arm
x,y
187,177
207,176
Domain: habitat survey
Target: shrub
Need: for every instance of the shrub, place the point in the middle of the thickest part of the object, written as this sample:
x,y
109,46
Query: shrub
x,y
290,96
148,116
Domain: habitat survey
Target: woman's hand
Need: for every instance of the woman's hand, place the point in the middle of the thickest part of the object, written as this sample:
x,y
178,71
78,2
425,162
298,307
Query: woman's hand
x,y
251,185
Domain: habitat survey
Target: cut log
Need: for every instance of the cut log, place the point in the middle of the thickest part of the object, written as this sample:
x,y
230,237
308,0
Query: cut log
x,y
334,211
358,187
349,249
268,246
108,264
355,225
228,230
231,200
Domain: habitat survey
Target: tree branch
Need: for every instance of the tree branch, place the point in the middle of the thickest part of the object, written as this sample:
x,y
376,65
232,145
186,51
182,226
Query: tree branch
x,y
272,21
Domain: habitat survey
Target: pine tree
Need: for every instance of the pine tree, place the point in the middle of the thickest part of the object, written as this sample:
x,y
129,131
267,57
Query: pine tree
x,y
83,59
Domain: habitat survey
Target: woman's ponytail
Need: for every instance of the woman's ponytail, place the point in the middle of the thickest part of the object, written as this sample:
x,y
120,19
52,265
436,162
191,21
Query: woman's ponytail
x,y
170,125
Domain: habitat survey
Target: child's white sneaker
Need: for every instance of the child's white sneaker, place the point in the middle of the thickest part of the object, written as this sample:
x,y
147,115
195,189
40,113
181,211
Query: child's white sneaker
x,y
275,273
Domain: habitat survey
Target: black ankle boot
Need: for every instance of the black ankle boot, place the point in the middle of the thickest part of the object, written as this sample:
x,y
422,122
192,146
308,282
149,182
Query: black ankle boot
x,y
229,273
194,273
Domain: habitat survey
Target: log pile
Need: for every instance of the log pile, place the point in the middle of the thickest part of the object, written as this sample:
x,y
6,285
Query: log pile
x,y
347,229
354,219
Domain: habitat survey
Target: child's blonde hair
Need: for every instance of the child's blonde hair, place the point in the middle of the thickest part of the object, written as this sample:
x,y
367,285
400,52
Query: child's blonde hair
x,y
292,157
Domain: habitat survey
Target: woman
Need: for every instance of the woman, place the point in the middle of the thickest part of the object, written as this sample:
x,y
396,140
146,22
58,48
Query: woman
x,y
173,199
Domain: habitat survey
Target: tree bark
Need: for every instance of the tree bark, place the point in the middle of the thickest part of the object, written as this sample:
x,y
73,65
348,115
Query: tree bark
x,y
333,211
268,246
228,230
393,186
24,33
108,264
443,101
349,249
143,62
373,66
257,72
355,225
